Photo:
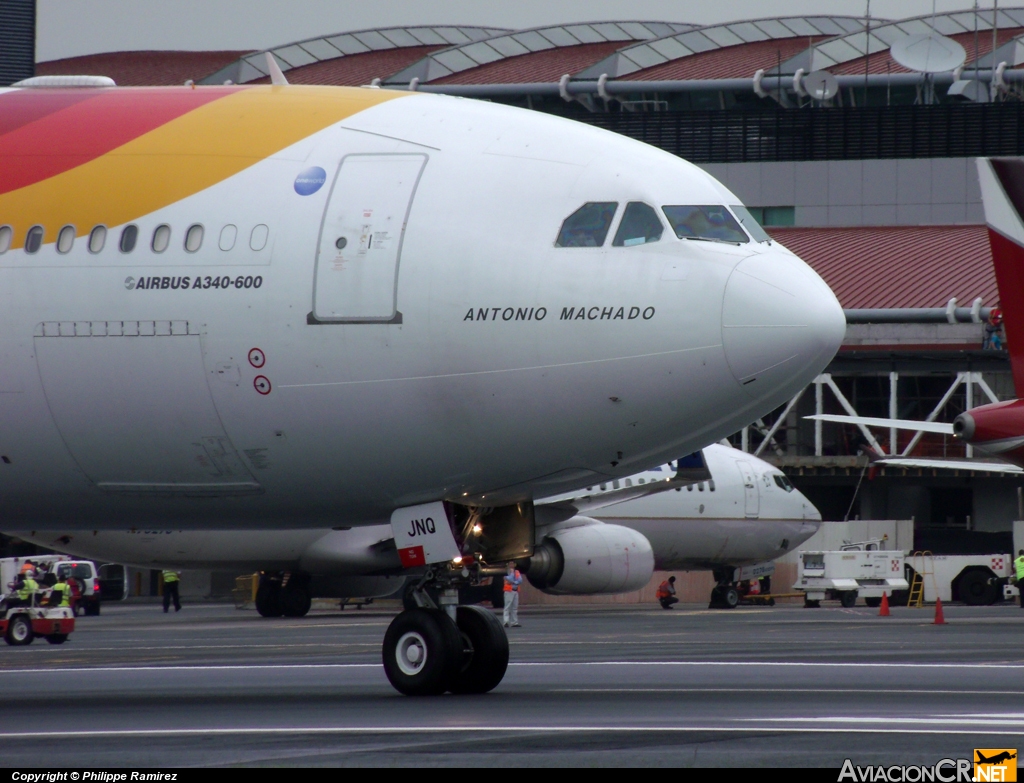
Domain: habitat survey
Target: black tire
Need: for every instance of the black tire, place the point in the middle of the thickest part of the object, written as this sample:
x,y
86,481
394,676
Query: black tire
x,y
848,598
294,601
730,597
19,631
771,602
485,651
974,589
422,652
873,603
57,638
268,599
809,604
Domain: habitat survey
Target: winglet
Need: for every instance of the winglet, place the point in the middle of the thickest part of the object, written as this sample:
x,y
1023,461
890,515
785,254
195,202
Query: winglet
x,y
276,75
1002,193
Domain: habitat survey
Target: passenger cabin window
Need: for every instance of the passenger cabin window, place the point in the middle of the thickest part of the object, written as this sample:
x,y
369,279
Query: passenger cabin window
x,y
97,239
194,238
65,239
587,226
639,226
227,237
129,236
750,224
161,238
34,239
6,237
709,223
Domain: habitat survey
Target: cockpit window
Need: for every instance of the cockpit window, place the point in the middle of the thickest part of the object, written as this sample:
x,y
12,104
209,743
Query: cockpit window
x,y
750,224
711,223
784,482
587,226
639,225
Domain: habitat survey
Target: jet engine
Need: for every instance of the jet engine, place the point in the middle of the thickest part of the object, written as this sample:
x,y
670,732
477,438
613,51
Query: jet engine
x,y
588,557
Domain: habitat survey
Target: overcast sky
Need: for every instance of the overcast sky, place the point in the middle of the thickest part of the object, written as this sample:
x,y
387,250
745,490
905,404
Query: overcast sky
x,y
72,27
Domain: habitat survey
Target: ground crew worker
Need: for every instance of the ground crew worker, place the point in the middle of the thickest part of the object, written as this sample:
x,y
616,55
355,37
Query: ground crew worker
x,y
171,579
1018,567
512,581
27,590
666,594
27,566
60,593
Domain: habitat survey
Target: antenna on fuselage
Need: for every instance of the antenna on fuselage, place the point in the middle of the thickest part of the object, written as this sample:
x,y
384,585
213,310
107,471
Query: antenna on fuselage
x,y
276,74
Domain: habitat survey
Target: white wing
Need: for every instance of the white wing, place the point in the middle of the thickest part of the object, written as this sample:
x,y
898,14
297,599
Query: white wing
x,y
950,464
900,424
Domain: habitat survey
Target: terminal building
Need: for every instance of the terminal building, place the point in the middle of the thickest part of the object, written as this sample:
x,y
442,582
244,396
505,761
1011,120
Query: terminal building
x,y
863,167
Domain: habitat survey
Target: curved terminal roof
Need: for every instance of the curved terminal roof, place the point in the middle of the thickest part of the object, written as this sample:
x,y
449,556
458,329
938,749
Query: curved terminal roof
x,y
141,68
394,47
847,53
531,55
898,266
721,51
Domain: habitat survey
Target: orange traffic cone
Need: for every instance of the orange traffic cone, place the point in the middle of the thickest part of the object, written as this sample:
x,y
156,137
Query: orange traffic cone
x,y
884,611
939,619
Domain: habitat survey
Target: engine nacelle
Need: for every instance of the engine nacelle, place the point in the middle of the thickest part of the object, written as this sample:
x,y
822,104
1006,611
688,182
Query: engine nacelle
x,y
590,559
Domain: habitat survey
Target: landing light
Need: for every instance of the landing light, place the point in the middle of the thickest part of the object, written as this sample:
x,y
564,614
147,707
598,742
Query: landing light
x,y
477,529
457,560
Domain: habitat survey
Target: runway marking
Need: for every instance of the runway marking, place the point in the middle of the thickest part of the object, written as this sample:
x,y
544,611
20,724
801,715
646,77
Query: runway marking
x,y
918,691
744,664
936,721
464,729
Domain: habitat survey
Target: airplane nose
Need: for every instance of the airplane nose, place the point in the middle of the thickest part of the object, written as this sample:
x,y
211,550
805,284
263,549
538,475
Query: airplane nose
x,y
781,324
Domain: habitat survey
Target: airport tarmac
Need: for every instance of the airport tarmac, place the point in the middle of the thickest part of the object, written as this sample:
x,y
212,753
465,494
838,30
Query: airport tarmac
x,y
587,686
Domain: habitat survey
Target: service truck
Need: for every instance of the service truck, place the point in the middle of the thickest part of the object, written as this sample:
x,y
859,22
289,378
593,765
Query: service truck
x,y
863,569
80,573
976,580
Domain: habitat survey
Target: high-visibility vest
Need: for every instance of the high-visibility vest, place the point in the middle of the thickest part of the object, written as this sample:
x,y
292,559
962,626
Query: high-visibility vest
x,y
29,587
509,588
1018,565
170,576
663,591
27,566
65,591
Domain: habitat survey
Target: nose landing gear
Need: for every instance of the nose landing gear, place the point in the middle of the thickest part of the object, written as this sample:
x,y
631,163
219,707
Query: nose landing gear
x,y
427,653
724,595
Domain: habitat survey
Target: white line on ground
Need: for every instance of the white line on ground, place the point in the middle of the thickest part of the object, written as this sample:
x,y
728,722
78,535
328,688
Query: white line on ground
x,y
463,729
550,664
920,691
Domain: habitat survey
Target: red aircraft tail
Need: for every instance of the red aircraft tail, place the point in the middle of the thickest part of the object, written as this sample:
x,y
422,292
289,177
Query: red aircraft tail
x,y
1002,192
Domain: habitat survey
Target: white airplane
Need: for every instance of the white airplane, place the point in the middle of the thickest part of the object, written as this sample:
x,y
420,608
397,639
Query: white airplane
x,y
733,511
281,307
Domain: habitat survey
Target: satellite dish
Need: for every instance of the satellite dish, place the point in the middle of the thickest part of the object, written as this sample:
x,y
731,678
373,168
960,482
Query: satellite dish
x,y
821,85
928,53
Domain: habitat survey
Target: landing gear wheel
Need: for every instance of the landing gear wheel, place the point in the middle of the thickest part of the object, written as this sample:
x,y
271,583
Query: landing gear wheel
x,y
268,599
485,651
19,631
730,597
423,652
57,638
848,598
873,603
294,600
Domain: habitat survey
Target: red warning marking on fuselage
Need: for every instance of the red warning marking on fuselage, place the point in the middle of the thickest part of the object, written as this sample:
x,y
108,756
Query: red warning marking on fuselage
x,y
257,358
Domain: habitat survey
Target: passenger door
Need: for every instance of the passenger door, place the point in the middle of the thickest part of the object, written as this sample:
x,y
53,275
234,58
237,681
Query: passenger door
x,y
360,244
752,501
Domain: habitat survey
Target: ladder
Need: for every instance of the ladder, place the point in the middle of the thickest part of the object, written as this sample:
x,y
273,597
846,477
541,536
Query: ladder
x,y
923,566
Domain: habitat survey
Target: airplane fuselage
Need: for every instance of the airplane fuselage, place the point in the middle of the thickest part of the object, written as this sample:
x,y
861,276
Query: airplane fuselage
x,y
305,307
